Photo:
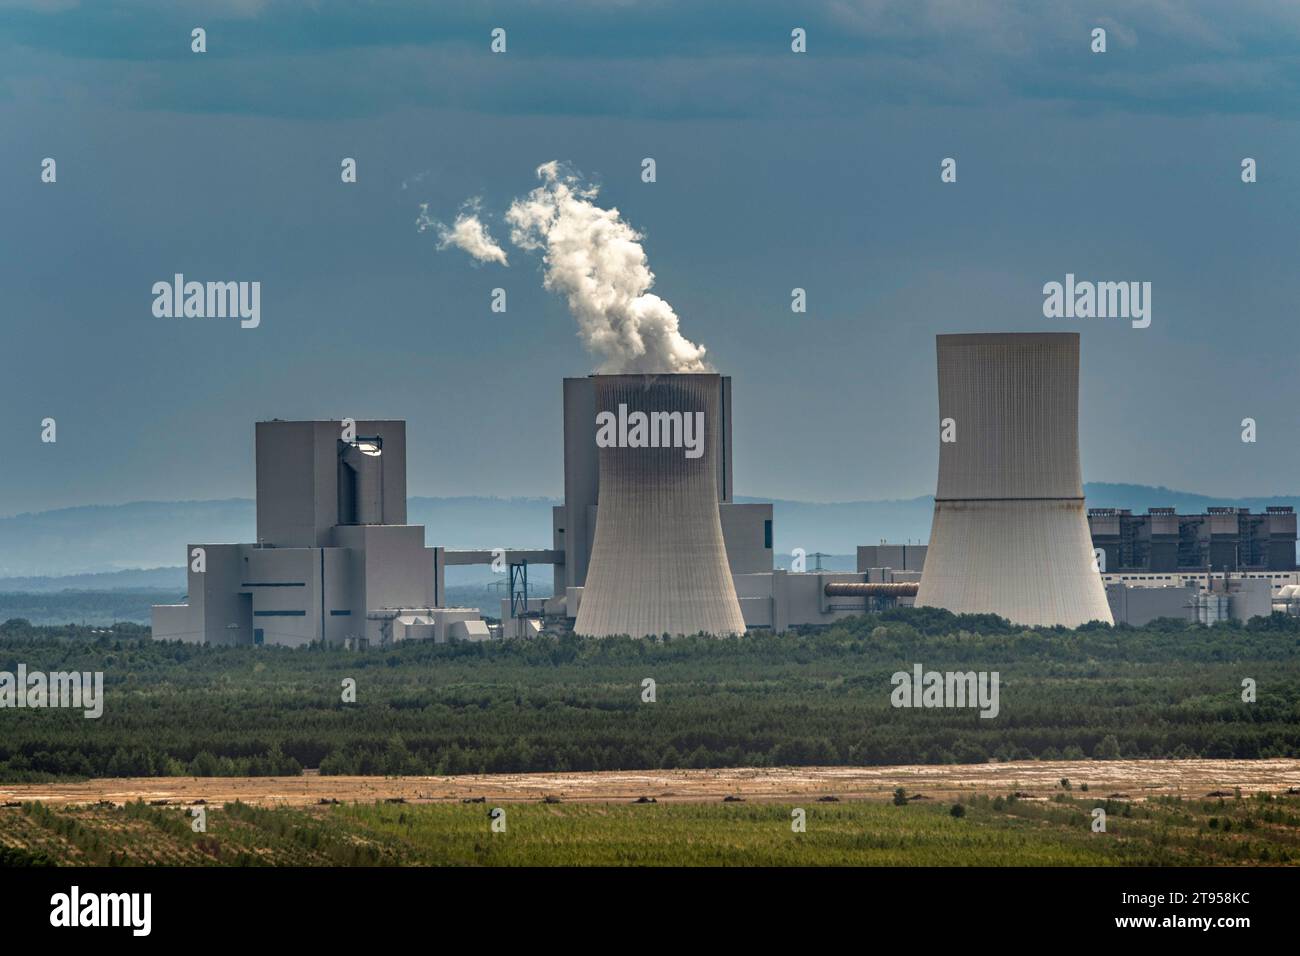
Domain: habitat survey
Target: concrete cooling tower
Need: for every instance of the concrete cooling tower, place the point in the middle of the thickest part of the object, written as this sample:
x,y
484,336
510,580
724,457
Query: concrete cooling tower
x,y
658,561
1010,533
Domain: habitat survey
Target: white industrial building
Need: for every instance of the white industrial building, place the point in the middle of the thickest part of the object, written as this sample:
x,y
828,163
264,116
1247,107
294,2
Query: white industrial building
x,y
1010,533
1205,598
334,561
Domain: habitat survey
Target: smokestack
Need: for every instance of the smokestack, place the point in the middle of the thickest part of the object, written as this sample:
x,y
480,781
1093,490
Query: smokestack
x,y
1010,533
658,562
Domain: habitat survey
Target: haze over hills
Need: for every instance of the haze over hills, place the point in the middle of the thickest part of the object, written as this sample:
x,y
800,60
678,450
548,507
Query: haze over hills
x,y
106,546
153,534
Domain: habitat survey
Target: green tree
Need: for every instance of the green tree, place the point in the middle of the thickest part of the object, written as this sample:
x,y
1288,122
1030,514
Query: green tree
x,y
1107,748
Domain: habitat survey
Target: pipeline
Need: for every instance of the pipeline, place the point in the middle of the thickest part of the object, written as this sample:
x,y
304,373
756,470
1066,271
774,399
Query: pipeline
x,y
866,589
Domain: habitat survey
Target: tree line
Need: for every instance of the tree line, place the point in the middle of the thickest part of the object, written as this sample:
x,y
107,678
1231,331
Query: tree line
x,y
817,697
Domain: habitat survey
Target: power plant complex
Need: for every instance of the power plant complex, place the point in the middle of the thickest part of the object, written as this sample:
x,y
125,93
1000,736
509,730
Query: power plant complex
x,y
649,541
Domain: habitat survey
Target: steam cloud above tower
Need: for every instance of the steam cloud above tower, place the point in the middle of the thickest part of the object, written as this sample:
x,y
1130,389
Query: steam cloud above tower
x,y
468,233
592,257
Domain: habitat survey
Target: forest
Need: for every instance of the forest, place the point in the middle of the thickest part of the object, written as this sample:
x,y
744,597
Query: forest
x,y
1168,690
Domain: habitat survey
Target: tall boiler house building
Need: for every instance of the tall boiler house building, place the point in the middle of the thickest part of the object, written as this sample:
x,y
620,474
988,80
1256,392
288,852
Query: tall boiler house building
x,y
334,561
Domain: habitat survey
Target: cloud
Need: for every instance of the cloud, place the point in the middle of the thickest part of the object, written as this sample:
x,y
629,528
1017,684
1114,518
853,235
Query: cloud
x,y
333,58
467,233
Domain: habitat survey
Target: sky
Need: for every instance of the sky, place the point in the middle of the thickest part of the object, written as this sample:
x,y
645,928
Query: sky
x,y
775,170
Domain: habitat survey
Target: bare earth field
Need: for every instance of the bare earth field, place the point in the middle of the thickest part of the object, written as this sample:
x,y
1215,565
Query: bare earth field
x,y
1131,779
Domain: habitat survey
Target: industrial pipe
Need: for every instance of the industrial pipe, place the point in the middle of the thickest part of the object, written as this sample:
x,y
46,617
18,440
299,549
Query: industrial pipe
x,y
866,589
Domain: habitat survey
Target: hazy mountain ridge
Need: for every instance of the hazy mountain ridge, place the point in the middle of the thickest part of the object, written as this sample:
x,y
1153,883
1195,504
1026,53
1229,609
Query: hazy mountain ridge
x,y
107,546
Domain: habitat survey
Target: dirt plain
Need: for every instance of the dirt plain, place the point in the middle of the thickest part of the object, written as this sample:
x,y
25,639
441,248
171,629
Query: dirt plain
x,y
1120,779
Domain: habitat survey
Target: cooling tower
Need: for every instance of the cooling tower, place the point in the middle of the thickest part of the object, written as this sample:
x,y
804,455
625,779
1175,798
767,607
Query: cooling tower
x,y
1010,533
658,562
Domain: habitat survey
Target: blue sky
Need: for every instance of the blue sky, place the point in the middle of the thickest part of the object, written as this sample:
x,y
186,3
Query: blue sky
x,y
775,170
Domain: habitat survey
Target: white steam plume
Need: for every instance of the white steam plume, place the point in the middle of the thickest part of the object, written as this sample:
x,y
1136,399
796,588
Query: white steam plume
x,y
468,233
595,260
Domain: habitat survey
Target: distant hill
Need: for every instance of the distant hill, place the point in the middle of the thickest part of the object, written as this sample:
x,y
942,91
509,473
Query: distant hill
x,y
144,579
95,538
104,546
1139,498
152,534
93,607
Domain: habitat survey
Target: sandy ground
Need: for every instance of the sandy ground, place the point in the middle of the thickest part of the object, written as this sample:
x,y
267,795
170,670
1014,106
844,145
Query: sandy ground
x,y
1133,779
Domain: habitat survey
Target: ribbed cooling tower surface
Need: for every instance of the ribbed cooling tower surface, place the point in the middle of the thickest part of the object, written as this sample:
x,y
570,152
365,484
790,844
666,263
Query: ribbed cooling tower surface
x,y
1010,533
658,560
